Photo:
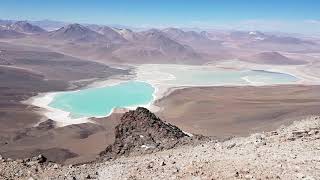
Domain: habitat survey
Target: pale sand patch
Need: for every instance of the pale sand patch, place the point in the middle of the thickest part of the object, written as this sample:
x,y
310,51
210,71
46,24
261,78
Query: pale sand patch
x,y
228,111
61,117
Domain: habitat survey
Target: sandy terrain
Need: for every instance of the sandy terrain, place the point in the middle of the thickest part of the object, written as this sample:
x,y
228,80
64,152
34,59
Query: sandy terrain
x,y
227,111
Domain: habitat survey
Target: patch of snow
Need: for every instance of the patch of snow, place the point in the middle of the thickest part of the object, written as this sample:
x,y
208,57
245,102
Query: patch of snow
x,y
259,38
146,146
187,133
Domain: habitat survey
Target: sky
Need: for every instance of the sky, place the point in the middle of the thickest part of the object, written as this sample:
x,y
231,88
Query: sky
x,y
301,16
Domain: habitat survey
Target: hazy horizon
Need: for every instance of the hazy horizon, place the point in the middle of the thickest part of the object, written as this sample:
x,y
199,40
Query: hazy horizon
x,y
278,16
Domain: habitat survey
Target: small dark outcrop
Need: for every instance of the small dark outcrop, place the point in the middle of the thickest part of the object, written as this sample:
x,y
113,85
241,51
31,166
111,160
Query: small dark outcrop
x,y
4,61
46,125
140,132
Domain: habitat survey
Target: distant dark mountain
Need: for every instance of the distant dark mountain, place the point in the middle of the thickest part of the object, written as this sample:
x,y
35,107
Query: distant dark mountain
x,y
128,34
159,40
111,35
248,36
258,36
25,27
273,58
93,27
286,40
5,22
174,33
76,33
6,33
270,42
178,34
189,37
199,41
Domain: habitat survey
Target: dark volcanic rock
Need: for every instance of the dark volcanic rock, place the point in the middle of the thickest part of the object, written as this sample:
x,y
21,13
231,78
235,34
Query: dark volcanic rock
x,y
140,131
40,158
58,155
46,125
4,61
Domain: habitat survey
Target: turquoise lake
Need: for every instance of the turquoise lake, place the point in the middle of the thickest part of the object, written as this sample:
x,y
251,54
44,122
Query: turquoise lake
x,y
101,101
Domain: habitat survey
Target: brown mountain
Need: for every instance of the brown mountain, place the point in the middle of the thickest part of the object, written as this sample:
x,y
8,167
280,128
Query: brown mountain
x,y
273,58
154,46
158,40
199,41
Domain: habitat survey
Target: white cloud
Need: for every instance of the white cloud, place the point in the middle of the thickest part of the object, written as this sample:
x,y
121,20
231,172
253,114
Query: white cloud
x,y
299,26
308,26
313,21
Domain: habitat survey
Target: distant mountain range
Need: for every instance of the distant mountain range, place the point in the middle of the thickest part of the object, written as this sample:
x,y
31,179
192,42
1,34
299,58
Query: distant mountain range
x,y
170,45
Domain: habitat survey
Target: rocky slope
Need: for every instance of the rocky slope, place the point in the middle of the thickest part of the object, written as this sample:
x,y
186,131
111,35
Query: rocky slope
x,y
141,132
291,152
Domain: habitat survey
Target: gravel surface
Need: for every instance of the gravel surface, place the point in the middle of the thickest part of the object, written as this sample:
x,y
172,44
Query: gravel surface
x,y
291,152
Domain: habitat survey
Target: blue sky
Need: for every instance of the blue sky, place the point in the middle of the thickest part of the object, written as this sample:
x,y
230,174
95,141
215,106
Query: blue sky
x,y
270,15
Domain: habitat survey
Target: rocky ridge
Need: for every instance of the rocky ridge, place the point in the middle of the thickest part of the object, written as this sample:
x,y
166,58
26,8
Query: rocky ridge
x,y
291,152
140,132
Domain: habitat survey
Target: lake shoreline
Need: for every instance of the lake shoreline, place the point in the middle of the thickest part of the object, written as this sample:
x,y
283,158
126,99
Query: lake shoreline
x,y
142,73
